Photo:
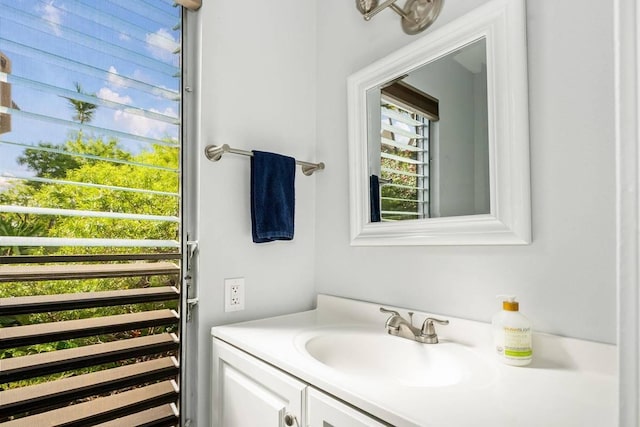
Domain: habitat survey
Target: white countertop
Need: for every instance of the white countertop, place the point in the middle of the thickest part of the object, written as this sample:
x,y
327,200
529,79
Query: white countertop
x,y
569,383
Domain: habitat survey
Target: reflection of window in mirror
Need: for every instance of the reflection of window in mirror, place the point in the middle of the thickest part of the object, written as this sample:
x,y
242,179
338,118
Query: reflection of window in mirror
x,y
408,116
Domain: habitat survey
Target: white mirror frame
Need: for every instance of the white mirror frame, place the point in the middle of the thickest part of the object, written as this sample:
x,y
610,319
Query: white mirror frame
x,y
503,24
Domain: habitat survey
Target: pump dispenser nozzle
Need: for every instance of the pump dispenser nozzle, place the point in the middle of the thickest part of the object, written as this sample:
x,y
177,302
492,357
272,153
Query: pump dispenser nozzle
x,y
509,302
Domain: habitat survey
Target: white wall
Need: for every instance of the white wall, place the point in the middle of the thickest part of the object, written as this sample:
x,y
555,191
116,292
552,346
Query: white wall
x,y
257,91
274,78
565,280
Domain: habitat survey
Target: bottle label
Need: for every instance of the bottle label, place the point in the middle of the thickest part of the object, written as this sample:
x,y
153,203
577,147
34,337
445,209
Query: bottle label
x,y
517,342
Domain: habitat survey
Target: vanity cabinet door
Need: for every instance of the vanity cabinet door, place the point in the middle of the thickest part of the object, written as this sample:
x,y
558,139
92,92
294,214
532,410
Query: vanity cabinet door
x,y
248,393
325,411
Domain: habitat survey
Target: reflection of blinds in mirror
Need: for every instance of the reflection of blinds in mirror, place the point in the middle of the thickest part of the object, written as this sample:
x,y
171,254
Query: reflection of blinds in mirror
x,y
412,98
404,161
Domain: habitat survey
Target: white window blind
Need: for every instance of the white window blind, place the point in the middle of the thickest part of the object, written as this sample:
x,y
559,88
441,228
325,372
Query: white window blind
x,y
92,84
404,160
90,220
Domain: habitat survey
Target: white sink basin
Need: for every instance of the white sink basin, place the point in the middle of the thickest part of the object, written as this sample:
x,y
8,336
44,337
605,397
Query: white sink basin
x,y
379,356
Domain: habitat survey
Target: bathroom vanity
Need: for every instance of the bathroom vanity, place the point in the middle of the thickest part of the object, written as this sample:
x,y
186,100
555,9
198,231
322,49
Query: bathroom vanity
x,y
337,366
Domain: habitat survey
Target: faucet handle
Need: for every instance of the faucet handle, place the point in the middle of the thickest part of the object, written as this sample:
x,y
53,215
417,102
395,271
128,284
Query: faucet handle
x,y
427,326
384,310
392,322
428,332
433,319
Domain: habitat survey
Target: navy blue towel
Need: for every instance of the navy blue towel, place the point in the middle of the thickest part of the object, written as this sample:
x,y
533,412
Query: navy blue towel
x,y
272,196
374,197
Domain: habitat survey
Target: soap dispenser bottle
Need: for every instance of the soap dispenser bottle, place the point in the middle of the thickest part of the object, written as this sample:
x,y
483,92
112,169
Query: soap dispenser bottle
x,y
512,333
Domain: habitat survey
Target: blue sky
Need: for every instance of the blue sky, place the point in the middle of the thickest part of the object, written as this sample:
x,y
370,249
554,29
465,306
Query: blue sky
x,y
61,42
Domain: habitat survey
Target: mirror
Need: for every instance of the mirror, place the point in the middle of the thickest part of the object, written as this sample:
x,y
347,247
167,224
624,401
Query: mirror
x,y
438,136
428,141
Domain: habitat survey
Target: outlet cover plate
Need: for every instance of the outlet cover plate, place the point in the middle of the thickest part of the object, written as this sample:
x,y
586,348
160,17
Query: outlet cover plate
x,y
234,294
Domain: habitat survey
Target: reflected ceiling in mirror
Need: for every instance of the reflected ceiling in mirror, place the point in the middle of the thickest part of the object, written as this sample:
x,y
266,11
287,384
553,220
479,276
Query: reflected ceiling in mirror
x,y
429,149
439,138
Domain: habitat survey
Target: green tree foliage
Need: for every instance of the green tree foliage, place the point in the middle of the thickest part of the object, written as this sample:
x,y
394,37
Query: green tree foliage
x,y
83,110
55,160
48,160
126,173
116,175
88,169
113,200
21,227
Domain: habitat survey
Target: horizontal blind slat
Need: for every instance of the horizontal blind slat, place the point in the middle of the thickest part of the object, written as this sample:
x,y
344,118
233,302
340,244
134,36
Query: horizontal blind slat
x,y
158,15
397,115
84,126
86,242
407,147
409,187
85,156
85,214
89,185
19,82
400,213
401,159
89,70
398,199
36,24
395,171
105,19
399,131
41,259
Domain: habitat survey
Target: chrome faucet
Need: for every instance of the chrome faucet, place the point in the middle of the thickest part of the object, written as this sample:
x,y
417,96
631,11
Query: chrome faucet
x,y
400,327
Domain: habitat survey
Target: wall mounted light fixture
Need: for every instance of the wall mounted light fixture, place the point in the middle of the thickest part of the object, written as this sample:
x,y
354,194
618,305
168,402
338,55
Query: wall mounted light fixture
x,y
417,15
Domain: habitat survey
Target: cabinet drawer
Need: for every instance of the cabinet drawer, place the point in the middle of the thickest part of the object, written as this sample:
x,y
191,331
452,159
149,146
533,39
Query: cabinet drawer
x,y
325,411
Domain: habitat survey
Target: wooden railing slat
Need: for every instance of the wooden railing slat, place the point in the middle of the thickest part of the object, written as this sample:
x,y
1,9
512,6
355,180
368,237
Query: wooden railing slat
x,y
25,273
103,409
25,367
45,303
18,336
60,392
165,415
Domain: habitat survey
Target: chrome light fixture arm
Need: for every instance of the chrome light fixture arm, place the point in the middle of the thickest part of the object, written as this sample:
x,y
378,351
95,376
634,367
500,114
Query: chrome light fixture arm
x,y
417,15
376,9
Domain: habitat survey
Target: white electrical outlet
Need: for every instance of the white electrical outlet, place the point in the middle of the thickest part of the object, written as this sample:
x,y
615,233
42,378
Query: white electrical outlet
x,y
234,294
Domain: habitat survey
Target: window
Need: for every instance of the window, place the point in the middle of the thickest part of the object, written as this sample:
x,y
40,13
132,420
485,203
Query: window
x,y
90,212
406,115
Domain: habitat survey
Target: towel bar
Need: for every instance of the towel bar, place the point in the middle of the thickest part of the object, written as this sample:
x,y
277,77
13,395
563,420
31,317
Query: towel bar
x,y
215,152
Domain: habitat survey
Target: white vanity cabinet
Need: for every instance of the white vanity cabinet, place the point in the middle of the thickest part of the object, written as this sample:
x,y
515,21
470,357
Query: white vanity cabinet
x,y
248,392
